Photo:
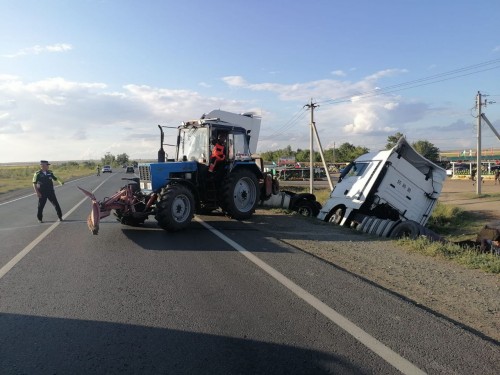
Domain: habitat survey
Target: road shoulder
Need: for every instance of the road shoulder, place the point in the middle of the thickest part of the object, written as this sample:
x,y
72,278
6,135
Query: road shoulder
x,y
466,297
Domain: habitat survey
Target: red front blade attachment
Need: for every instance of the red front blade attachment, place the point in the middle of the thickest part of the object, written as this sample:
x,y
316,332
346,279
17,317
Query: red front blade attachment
x,y
94,216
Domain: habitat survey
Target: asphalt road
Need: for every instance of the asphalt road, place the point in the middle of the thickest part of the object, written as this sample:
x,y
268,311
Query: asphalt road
x,y
222,297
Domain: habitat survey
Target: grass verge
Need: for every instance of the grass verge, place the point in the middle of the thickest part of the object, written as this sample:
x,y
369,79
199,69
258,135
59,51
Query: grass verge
x,y
452,223
21,177
471,259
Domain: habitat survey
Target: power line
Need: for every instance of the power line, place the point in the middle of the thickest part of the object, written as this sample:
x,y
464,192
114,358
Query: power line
x,y
405,86
441,77
289,124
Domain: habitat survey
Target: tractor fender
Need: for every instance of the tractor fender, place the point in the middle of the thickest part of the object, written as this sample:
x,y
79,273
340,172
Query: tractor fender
x,y
267,189
188,184
251,166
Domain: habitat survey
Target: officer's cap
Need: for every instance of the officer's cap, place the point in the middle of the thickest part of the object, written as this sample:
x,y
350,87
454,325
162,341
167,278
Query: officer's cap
x,y
44,162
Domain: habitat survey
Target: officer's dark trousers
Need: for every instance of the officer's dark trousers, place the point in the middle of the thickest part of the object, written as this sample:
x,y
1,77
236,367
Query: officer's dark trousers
x,y
51,196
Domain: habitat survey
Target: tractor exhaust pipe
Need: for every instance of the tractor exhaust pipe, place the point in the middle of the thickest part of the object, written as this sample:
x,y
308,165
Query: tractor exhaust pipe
x,y
161,151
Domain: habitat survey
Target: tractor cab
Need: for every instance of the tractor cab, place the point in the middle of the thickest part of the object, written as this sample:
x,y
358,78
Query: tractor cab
x,y
196,141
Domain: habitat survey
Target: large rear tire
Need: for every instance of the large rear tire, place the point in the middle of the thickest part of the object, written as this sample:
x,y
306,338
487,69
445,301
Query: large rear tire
x,y
409,228
240,194
175,208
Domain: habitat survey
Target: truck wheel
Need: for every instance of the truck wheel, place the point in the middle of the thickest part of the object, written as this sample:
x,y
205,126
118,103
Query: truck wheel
x,y
306,208
175,208
337,215
240,194
407,228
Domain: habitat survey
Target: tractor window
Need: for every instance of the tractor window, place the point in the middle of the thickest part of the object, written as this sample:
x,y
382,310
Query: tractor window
x,y
193,144
240,146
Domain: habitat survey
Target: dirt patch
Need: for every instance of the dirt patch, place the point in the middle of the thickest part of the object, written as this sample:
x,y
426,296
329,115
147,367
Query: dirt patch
x,y
463,193
470,298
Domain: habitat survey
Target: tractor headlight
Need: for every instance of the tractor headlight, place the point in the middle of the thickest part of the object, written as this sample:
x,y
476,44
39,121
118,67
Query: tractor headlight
x,y
188,176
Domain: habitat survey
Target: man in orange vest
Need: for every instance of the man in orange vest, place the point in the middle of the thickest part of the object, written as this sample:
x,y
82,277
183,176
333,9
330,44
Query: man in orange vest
x,y
218,152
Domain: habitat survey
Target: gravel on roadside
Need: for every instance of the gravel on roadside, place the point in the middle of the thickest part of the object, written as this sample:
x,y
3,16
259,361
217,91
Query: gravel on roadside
x,y
467,297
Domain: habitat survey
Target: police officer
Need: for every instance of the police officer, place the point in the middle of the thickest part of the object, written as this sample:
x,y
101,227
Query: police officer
x,y
44,189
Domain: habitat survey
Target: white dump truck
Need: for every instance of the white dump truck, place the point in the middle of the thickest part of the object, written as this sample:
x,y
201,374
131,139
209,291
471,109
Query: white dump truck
x,y
388,193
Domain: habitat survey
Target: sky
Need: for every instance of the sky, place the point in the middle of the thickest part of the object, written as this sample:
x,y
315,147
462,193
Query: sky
x,y
81,78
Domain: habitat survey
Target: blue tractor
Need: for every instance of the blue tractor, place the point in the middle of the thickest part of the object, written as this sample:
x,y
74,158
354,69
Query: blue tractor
x,y
197,181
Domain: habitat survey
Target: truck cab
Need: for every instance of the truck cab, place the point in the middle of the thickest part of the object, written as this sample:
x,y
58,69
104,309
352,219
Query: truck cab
x,y
396,184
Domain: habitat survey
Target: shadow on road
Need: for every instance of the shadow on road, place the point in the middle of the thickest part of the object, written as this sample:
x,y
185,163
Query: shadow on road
x,y
42,345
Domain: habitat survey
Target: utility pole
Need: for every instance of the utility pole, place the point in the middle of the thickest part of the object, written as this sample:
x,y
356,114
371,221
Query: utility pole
x,y
478,153
481,116
311,167
311,106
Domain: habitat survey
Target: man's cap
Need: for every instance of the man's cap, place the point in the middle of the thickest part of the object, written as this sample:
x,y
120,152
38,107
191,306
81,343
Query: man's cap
x,y
44,162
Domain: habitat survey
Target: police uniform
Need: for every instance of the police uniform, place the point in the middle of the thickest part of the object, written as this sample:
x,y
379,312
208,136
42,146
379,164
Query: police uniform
x,y
43,184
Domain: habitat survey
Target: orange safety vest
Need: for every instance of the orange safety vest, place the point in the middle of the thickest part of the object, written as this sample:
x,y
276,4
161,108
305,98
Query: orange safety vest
x,y
218,152
217,156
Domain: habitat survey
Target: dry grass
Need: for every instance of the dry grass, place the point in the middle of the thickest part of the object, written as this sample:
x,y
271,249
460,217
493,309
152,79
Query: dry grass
x,y
21,177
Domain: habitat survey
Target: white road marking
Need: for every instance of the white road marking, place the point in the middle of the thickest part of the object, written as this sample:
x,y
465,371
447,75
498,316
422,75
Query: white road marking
x,y
11,263
383,351
391,357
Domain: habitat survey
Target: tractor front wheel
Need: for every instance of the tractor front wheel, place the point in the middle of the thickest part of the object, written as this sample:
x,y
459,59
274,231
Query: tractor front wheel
x,y
175,208
240,194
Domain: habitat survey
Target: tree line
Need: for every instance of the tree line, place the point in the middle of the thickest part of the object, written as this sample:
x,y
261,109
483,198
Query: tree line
x,y
110,159
347,152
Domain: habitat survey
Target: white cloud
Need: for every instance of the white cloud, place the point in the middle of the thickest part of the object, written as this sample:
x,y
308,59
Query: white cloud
x,y
366,111
385,73
37,49
237,81
68,120
82,120
338,73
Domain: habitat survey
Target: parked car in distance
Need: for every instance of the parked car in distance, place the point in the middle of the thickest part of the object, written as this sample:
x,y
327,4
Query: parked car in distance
x,y
107,169
130,169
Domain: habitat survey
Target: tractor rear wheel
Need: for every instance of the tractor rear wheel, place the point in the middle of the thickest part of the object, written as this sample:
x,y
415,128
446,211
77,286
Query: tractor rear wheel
x,y
240,194
175,208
